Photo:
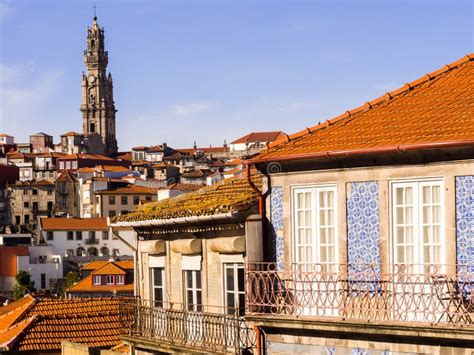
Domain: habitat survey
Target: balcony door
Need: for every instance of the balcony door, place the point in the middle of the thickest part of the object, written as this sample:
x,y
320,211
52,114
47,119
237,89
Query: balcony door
x,y
418,249
315,249
193,303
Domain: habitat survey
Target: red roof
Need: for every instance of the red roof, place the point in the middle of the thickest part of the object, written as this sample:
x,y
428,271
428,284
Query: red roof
x,y
85,156
434,111
71,134
259,137
73,224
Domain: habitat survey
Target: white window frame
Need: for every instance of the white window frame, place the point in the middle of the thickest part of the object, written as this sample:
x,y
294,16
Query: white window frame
x,y
194,306
110,277
418,253
97,280
120,279
316,252
235,267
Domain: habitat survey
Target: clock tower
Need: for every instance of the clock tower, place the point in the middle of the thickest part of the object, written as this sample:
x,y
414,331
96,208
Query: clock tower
x,y
98,107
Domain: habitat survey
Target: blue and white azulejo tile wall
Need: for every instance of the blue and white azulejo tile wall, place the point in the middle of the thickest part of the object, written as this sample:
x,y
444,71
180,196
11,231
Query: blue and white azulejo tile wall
x,y
276,210
363,226
465,220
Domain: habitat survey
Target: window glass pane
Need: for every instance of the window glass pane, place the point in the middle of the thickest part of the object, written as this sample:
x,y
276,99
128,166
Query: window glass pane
x,y
436,194
198,279
241,279
426,194
409,196
189,278
230,278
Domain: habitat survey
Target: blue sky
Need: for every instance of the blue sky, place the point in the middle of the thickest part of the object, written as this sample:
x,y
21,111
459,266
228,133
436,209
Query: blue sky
x,y
207,71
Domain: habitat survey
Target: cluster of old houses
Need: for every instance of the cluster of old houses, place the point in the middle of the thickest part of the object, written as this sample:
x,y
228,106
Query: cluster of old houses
x,y
355,236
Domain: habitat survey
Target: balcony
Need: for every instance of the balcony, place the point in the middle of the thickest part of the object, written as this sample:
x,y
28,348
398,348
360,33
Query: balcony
x,y
173,327
91,241
436,296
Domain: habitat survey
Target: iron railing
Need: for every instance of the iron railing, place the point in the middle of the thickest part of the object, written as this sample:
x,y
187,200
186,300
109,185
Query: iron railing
x,y
430,294
205,328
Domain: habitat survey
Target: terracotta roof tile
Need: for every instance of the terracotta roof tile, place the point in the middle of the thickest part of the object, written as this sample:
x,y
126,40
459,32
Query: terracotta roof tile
x,y
109,269
435,109
69,224
257,137
232,194
94,265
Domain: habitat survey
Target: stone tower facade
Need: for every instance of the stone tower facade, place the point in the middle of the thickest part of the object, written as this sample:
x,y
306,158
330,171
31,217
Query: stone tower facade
x,y
98,107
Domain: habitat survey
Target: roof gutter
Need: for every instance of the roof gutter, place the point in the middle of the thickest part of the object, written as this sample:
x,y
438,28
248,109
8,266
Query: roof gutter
x,y
175,221
346,153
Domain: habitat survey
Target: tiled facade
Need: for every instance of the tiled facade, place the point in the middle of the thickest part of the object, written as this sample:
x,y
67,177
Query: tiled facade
x,y
276,206
465,219
363,230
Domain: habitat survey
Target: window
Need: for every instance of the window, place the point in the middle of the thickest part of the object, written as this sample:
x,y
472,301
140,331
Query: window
x,y
69,253
70,235
61,165
80,251
120,279
2,206
74,164
417,223
97,280
234,288
35,207
110,280
49,235
78,235
193,291
17,219
111,200
148,198
92,251
68,165
91,235
26,204
115,252
25,192
27,218
105,235
104,251
136,200
43,281
112,213
158,285
35,192
124,200
315,227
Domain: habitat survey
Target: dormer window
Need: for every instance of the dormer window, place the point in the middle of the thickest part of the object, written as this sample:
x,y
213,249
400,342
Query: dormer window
x,y
97,280
110,280
120,279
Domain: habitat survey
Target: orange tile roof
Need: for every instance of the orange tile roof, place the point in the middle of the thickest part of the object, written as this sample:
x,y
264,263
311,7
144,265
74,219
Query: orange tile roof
x,y
94,265
85,156
234,194
17,309
9,337
257,137
234,162
85,285
435,110
66,175
24,301
70,224
204,150
109,269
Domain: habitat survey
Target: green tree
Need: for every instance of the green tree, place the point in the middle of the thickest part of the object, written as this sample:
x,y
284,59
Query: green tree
x,y
24,284
71,278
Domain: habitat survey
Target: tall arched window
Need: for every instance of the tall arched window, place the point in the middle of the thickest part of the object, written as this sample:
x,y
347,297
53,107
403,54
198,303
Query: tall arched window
x,y
92,129
80,251
92,251
104,251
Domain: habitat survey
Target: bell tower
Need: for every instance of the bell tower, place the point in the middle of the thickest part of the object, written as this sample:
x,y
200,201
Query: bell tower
x,y
98,107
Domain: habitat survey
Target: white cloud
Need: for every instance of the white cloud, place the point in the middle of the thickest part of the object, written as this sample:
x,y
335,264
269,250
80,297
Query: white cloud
x,y
21,101
5,9
192,108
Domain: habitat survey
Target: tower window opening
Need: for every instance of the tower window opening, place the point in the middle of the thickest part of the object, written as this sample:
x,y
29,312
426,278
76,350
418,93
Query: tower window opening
x,y
92,129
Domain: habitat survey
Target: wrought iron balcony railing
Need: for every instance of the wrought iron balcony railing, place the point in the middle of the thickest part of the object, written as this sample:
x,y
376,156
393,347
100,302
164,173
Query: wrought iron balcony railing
x,y
92,241
205,328
398,294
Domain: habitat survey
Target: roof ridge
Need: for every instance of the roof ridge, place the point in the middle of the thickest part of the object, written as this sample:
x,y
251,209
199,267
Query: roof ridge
x,y
384,98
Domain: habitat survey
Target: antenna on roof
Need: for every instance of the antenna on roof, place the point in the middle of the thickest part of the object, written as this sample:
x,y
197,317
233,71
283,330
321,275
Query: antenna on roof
x,y
95,12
